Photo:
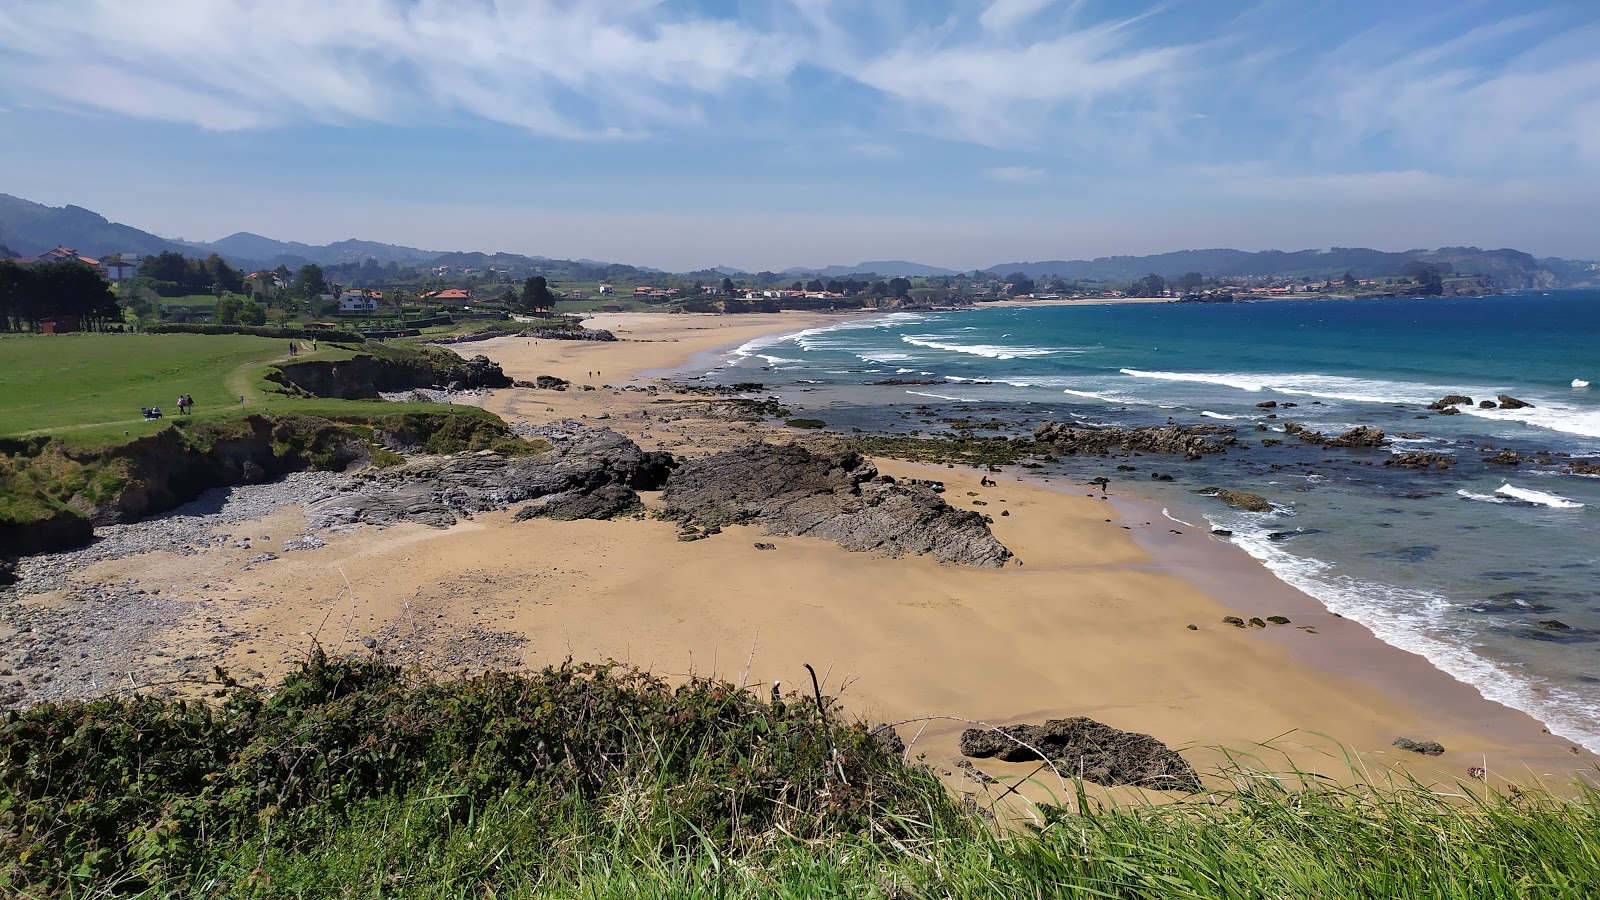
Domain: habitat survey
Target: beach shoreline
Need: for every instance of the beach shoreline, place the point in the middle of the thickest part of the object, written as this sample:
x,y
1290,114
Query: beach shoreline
x,y
1094,620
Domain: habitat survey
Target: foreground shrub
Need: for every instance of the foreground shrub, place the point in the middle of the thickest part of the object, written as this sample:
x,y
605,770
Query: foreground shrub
x,y
143,791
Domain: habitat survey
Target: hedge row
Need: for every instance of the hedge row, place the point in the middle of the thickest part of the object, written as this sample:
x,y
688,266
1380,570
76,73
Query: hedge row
x,y
336,335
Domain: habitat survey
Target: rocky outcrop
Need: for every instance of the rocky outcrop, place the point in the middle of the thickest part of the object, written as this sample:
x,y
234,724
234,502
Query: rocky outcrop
x,y
1504,458
1426,748
551,383
838,497
572,334
1239,499
1584,467
1420,460
1082,747
477,372
587,473
1360,436
364,377
1070,439
1507,402
1450,400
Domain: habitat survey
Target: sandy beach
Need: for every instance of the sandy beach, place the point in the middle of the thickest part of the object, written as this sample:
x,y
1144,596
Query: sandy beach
x,y
1095,621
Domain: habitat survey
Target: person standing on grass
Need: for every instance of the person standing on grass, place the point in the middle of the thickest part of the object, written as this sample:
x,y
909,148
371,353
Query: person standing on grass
x,y
180,404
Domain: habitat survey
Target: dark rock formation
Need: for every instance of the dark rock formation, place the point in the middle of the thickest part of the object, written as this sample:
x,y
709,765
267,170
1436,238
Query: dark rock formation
x,y
1450,400
1267,404
839,497
1426,748
1235,621
1584,467
1421,460
587,473
1239,499
551,383
1504,458
1082,747
1360,436
1069,439
8,572
1486,404
1449,411
572,334
477,372
1513,403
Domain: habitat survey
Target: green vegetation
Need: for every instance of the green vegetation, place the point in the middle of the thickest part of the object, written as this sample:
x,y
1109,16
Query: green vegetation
x,y
806,423
354,778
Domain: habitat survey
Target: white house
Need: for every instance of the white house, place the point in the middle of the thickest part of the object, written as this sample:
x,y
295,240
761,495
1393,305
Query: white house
x,y
357,301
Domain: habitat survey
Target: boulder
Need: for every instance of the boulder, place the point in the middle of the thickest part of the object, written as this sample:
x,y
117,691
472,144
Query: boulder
x,y
1426,748
1082,747
551,383
604,502
1449,401
477,372
1360,436
1513,403
787,489
1235,621
1267,404
8,572
1504,458
1486,404
1449,411
1239,499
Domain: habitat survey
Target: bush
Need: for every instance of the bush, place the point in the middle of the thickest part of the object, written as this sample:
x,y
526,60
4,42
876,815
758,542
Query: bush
x,y
332,335
140,791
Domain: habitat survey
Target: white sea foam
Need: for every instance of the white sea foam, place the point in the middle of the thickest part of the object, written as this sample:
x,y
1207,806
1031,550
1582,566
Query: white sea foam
x,y
1482,498
1579,383
808,338
1546,414
1327,387
943,397
1174,518
1415,621
1554,501
1215,415
990,351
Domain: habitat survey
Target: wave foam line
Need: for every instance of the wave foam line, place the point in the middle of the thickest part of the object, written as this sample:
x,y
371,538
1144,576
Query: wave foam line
x,y
1402,617
989,351
1554,501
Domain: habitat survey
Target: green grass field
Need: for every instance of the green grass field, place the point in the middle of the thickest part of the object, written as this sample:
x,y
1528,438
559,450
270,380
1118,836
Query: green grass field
x,y
90,387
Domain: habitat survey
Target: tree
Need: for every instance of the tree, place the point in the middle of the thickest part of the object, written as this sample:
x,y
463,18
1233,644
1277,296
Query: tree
x,y
899,287
226,311
309,282
251,313
1020,284
1151,285
815,285
536,294
1350,279
1190,282
728,286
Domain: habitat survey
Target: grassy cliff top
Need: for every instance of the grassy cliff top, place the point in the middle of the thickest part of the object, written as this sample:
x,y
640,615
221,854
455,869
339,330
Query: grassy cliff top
x,y
87,389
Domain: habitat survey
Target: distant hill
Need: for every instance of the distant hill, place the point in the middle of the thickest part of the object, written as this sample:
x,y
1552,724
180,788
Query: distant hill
x,y
887,268
30,228
1508,269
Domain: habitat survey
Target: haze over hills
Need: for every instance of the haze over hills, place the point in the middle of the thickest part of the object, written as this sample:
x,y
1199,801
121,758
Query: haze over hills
x,y
30,228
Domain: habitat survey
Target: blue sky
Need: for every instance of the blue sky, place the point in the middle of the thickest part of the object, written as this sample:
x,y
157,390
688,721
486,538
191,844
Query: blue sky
x,y
772,133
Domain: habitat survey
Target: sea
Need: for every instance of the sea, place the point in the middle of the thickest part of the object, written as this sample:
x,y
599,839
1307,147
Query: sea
x,y
1491,572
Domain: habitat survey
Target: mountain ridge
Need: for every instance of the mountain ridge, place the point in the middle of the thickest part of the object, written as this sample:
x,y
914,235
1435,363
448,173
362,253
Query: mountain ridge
x,y
30,228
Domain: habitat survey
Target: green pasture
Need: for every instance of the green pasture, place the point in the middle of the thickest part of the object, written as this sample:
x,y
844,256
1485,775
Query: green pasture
x,y
87,388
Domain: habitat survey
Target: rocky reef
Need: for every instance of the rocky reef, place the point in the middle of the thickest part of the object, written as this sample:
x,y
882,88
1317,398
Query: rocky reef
x,y
1191,442
1082,747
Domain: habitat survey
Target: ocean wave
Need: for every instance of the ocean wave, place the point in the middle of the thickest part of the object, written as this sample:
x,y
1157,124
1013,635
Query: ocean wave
x,y
1554,501
1215,415
1584,422
1415,620
1579,383
943,397
1327,387
807,337
990,351
1482,498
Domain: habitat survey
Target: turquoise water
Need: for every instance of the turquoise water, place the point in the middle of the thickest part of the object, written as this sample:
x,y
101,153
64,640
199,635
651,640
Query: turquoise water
x,y
1459,566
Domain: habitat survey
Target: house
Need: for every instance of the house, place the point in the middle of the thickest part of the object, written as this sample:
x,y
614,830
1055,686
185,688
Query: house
x,y
605,289
119,267
60,325
358,301
449,295
61,254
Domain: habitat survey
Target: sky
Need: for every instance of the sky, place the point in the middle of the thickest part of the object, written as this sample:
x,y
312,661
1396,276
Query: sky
x,y
765,134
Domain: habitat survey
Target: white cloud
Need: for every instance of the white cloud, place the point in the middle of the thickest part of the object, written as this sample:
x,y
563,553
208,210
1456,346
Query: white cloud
x,y
1014,174
567,68
1004,15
